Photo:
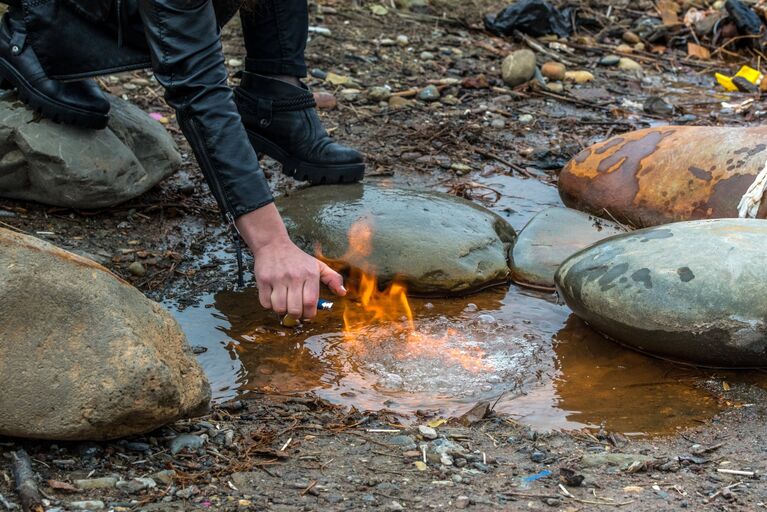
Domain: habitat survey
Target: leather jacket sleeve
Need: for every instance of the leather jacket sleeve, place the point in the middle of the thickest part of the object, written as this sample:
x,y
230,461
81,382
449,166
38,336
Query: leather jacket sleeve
x,y
187,58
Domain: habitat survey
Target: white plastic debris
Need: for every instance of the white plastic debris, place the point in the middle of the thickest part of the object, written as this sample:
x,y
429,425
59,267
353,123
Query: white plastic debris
x,y
752,200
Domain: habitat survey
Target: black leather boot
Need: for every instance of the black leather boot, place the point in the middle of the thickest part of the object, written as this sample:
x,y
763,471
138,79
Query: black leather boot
x,y
282,122
78,103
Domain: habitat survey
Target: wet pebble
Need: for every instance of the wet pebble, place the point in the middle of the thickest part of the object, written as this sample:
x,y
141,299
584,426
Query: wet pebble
x,y
379,93
631,38
481,467
498,124
186,441
325,100
579,77
187,492
609,60
658,106
427,432
165,476
318,73
137,269
629,64
526,119
429,93
537,456
554,71
518,67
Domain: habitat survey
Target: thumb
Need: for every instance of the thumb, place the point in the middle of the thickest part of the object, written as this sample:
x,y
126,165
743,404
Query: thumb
x,y
332,279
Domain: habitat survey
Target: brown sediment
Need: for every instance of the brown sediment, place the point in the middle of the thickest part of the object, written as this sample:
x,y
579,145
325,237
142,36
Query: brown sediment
x,y
667,174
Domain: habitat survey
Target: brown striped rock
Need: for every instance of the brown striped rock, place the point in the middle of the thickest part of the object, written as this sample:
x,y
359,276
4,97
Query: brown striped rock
x,y
666,174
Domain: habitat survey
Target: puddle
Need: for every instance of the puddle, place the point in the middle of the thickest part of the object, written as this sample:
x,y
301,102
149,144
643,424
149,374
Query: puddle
x,y
552,370
548,368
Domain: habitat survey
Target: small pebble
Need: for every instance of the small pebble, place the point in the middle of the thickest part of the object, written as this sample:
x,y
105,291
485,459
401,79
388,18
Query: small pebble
x,y
325,100
427,432
318,73
403,40
498,124
427,56
462,502
554,71
235,63
629,64
537,456
379,93
186,441
137,269
429,93
526,119
609,60
579,77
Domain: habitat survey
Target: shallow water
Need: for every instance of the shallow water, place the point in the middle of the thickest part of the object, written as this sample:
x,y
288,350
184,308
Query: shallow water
x,y
551,370
544,365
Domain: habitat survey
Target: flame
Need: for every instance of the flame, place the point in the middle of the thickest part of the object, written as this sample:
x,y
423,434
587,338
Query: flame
x,y
376,316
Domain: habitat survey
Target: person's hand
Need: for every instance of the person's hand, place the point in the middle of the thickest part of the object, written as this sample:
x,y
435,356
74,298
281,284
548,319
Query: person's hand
x,y
288,279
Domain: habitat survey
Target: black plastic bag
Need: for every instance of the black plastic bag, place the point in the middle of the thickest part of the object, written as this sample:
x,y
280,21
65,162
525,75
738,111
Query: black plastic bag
x,y
746,20
533,17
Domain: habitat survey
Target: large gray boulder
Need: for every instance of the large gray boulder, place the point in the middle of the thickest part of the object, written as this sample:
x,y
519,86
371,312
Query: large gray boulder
x,y
83,354
436,243
550,238
690,291
74,167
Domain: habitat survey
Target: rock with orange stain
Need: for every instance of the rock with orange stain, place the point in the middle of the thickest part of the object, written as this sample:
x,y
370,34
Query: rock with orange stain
x,y
688,291
83,354
666,174
436,244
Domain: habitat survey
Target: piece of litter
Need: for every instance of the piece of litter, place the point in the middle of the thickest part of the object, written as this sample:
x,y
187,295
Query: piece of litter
x,y
735,472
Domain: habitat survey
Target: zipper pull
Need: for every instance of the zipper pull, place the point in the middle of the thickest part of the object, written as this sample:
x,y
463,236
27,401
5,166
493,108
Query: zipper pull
x,y
237,250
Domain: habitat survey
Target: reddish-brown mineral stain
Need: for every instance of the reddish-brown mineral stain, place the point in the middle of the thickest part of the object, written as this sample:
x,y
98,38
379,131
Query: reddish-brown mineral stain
x,y
666,174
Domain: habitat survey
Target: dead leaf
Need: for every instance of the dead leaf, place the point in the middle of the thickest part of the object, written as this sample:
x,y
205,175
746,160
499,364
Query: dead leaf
x,y
477,413
379,10
668,12
698,52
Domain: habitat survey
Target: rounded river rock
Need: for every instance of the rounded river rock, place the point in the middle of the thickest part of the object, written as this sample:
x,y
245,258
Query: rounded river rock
x,y
550,238
83,354
666,174
436,243
691,291
73,167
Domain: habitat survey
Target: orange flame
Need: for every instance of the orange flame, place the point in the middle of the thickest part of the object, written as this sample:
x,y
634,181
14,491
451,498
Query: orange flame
x,y
389,309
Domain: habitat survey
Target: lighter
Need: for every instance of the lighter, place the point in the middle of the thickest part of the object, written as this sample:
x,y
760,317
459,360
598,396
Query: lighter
x,y
291,321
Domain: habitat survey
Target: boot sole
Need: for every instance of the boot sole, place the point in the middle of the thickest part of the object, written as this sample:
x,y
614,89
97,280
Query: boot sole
x,y
316,174
48,107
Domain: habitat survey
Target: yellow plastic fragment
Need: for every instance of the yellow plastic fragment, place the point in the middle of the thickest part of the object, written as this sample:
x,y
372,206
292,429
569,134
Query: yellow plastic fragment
x,y
750,74
437,423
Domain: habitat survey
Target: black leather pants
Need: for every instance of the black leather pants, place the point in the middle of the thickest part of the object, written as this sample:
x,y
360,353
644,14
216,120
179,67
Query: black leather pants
x,y
275,34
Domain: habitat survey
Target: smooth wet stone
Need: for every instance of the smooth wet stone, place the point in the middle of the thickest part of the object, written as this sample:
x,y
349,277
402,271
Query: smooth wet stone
x,y
550,238
61,165
83,354
436,243
690,291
